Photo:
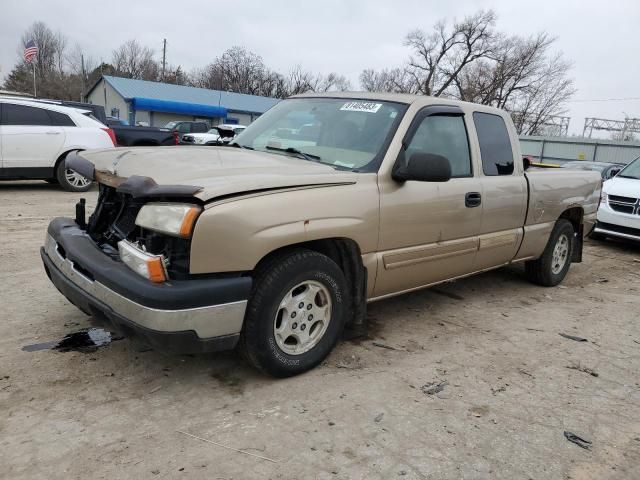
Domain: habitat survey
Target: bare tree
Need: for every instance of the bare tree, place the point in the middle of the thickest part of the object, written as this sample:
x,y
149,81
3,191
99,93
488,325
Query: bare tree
x,y
439,57
471,61
132,60
396,80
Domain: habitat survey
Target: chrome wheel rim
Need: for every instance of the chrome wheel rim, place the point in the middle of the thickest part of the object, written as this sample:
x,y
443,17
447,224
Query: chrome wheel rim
x,y
560,254
75,179
302,318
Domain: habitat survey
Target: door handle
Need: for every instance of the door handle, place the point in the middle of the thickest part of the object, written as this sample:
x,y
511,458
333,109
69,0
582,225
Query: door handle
x,y
53,133
472,199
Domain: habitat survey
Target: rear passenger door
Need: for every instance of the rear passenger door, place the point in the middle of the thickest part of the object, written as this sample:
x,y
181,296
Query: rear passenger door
x,y
30,139
504,192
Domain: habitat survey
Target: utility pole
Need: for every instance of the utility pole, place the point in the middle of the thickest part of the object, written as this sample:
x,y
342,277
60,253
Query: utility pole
x,y
83,77
164,57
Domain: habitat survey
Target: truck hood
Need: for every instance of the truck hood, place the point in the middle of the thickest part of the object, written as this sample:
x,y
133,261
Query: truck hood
x,y
215,171
624,187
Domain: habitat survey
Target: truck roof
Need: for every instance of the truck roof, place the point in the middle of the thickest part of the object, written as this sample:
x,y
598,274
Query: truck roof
x,y
405,98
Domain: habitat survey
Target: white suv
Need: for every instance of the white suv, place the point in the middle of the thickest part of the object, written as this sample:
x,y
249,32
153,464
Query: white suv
x,y
619,211
35,138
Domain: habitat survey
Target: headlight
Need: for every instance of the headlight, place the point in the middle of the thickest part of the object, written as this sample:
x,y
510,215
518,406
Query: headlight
x,y
603,197
176,219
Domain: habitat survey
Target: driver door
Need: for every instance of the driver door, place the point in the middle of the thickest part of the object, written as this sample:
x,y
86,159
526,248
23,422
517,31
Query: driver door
x,y
429,230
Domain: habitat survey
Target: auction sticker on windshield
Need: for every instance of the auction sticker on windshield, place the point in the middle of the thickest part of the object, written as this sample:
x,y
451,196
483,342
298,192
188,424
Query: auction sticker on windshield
x,y
368,107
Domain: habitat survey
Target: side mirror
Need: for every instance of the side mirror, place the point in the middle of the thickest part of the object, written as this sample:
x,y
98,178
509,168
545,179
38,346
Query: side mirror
x,y
526,162
425,167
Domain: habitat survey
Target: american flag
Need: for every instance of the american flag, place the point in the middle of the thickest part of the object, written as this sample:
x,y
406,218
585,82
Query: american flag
x,y
30,51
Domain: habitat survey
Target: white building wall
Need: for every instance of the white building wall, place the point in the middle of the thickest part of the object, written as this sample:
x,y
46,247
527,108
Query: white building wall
x,y
103,94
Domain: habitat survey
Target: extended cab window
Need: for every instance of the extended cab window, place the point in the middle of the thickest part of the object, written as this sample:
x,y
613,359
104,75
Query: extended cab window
x,y
495,145
446,136
23,115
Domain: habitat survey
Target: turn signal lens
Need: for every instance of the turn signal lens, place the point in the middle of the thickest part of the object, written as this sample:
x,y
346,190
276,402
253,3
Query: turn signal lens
x,y
145,264
175,219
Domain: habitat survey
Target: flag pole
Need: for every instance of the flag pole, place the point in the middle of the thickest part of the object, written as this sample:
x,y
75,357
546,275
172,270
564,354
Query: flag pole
x,y
35,92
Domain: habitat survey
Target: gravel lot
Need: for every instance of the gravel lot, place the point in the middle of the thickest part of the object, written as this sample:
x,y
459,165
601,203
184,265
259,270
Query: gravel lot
x,y
470,380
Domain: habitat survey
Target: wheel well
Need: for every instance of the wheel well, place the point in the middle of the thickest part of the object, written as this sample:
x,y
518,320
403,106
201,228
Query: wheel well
x,y
574,215
346,253
61,159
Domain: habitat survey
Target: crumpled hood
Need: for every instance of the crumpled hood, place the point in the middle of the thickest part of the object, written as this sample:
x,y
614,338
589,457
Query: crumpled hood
x,y
219,171
624,187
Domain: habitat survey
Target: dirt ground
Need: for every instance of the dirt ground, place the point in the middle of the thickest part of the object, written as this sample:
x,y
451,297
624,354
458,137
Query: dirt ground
x,y
469,380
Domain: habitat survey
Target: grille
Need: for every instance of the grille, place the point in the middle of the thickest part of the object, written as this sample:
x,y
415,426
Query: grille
x,y
624,204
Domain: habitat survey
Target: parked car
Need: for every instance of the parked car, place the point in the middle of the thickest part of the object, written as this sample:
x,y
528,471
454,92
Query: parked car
x,y
217,135
115,122
607,170
187,127
130,136
619,210
275,244
36,137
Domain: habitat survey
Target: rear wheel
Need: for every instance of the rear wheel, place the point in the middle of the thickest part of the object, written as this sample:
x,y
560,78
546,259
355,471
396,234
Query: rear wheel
x,y
70,180
551,268
296,313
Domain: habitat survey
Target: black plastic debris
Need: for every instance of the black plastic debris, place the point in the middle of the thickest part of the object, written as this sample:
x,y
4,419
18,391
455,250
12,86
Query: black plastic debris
x,y
573,337
85,341
581,442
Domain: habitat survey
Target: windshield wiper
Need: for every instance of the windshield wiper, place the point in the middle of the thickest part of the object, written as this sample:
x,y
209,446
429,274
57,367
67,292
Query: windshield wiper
x,y
306,156
627,176
237,145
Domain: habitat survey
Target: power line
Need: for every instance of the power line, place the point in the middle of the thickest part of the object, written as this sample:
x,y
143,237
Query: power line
x,y
604,99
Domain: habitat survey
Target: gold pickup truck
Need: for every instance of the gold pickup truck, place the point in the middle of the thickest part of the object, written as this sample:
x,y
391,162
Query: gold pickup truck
x,y
276,243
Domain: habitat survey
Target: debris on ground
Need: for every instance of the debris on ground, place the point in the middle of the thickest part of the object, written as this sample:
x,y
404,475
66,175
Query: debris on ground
x,y
378,418
582,368
499,389
573,337
432,388
581,442
388,347
602,280
227,447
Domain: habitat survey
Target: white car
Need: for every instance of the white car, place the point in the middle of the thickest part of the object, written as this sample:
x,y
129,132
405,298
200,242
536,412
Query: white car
x,y
212,137
619,211
35,138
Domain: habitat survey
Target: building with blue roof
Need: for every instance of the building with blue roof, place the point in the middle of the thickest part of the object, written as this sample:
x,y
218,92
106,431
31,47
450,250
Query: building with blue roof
x,y
155,103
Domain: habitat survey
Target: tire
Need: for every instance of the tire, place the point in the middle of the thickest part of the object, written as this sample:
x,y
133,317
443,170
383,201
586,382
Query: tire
x,y
70,180
551,268
271,339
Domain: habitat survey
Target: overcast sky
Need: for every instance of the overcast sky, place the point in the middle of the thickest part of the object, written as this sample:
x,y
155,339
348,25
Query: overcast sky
x,y
600,37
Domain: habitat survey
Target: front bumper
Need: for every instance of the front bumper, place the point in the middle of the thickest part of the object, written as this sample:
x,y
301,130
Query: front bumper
x,y
617,224
185,316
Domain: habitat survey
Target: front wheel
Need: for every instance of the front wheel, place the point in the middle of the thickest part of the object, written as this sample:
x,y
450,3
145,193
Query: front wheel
x,y
296,313
551,268
71,181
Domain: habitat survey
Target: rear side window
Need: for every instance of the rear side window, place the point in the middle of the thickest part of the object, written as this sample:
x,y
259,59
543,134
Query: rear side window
x,y
495,145
60,119
23,115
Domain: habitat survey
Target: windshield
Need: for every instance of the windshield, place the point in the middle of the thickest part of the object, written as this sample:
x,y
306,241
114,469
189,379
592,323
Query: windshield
x,y
345,133
631,171
213,131
170,125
